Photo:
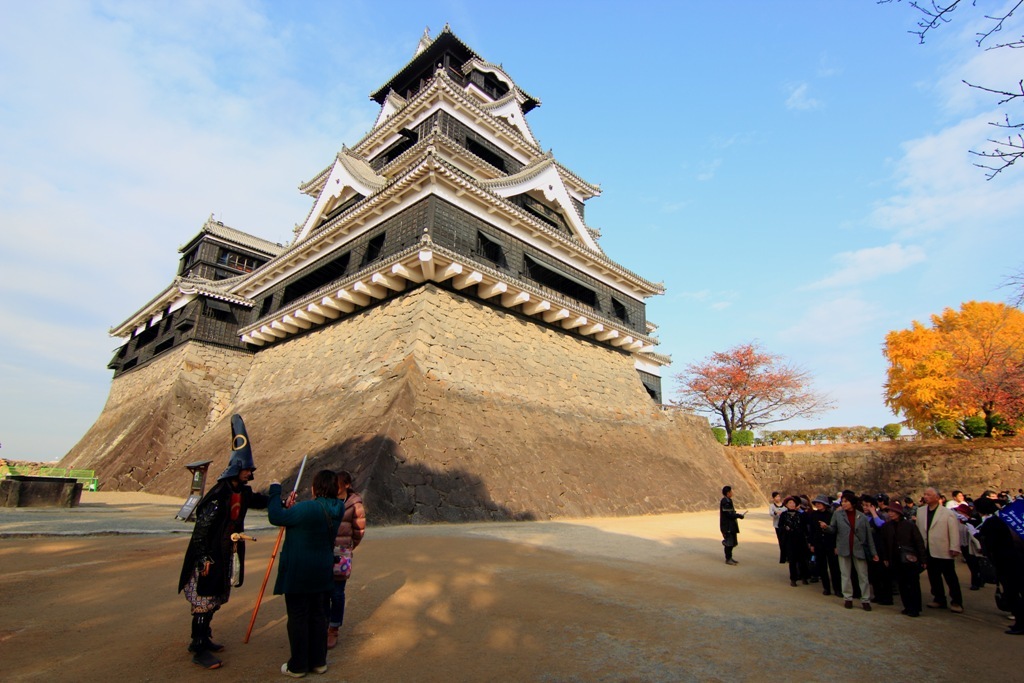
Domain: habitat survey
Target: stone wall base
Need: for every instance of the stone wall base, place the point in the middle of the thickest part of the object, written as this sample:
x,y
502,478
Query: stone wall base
x,y
442,408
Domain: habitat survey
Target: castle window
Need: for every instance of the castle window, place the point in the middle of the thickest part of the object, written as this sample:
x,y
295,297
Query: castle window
x,y
329,272
218,310
188,260
246,264
552,279
163,346
265,307
541,211
485,153
619,310
490,249
374,248
146,336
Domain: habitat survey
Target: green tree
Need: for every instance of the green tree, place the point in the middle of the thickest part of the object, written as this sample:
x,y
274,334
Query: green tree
x,y
892,431
974,427
720,435
743,437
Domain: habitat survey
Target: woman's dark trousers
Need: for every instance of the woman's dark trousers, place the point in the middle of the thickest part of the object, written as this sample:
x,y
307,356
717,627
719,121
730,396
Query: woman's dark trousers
x,y
909,581
781,536
307,630
828,569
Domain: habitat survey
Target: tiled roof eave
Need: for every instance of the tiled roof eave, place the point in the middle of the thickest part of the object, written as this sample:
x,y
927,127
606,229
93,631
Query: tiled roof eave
x,y
522,216
416,175
451,256
180,285
441,84
446,30
473,63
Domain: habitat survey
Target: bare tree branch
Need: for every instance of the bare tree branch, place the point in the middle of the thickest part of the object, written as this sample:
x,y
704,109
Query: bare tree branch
x,y
1004,153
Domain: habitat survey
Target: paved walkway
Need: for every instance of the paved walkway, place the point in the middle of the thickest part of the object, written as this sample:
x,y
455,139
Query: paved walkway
x,y
107,513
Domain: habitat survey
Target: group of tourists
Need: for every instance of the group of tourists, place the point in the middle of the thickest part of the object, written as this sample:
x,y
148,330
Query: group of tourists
x,y
315,560
870,548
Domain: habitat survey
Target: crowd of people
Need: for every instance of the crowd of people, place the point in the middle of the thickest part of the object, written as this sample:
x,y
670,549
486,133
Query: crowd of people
x,y
872,548
315,562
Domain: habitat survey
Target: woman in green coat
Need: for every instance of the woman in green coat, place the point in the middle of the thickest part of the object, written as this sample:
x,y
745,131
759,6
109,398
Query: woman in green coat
x,y
305,575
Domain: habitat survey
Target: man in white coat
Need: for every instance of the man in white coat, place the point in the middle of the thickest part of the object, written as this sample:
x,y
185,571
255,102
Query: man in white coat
x,y
941,532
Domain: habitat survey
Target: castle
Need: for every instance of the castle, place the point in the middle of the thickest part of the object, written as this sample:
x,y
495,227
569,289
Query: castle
x,y
444,324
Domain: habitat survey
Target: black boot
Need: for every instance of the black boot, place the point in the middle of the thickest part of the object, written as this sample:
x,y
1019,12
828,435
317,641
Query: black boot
x,y
210,645
200,645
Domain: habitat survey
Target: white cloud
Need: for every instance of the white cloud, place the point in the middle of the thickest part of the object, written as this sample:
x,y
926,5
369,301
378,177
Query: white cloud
x,y
941,190
836,324
864,265
826,69
799,98
707,172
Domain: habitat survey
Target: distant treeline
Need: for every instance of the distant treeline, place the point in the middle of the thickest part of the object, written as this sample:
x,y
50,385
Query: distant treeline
x,y
780,437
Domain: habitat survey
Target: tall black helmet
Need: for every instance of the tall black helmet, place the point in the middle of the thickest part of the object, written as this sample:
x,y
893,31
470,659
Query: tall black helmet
x,y
241,450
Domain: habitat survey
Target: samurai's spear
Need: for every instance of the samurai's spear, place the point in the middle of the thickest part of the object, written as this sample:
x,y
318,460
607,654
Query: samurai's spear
x,y
273,555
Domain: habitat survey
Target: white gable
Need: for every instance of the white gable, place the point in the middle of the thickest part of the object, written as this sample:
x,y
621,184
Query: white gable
x,y
348,177
549,182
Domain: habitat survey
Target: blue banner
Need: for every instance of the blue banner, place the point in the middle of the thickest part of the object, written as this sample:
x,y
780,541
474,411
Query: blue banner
x,y
1013,515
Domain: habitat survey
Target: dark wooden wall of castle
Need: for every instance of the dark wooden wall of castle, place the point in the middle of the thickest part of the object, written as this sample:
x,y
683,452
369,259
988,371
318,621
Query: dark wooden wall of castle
x,y
455,229
217,322
458,132
653,385
213,322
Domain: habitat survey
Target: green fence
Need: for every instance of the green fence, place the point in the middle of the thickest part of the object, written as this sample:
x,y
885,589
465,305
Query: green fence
x,y
85,477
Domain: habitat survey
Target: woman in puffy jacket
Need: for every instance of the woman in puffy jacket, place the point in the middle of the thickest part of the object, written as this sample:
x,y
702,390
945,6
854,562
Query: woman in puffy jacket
x,y
350,533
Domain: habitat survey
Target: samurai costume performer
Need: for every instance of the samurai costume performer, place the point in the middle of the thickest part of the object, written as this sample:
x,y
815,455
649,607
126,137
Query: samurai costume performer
x,y
219,514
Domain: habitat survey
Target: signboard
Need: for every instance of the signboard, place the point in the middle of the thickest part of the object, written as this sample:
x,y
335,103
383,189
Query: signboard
x,y
189,508
1013,515
198,472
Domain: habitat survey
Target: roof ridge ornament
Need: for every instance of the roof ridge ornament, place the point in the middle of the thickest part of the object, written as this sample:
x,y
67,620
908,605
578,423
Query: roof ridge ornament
x,y
425,41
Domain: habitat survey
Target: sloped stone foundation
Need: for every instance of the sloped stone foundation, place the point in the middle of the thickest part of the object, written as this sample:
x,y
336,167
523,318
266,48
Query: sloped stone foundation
x,y
442,407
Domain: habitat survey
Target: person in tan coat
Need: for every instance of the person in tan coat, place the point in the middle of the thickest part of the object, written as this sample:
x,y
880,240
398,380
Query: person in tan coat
x,y
350,533
941,532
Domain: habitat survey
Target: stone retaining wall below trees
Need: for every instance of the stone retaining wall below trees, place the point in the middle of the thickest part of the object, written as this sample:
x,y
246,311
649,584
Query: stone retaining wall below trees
x,y
890,467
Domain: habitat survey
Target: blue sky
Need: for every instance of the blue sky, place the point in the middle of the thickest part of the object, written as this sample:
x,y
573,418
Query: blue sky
x,y
797,173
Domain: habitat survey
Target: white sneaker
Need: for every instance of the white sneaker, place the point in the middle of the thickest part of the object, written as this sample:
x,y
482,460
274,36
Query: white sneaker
x,y
320,669
286,672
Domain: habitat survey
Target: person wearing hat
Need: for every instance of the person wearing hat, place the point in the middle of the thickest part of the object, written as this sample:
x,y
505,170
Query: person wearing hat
x,y
823,546
213,561
794,532
902,550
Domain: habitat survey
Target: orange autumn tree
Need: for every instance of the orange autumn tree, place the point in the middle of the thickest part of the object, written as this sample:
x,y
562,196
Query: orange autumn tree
x,y
967,363
747,387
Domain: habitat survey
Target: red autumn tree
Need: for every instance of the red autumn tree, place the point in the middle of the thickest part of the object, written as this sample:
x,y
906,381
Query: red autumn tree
x,y
747,387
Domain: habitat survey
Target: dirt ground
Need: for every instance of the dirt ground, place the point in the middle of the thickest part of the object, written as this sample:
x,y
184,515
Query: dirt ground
x,y
622,599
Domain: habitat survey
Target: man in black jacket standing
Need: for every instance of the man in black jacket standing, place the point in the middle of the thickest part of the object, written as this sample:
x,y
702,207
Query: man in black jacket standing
x,y
727,517
214,561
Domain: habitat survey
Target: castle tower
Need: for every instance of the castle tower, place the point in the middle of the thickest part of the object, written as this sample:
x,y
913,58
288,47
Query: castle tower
x,y
444,324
